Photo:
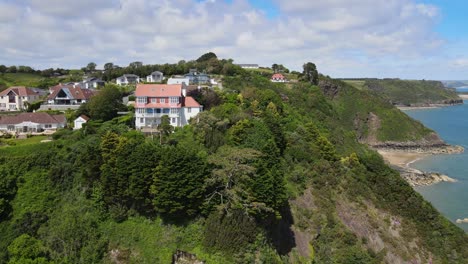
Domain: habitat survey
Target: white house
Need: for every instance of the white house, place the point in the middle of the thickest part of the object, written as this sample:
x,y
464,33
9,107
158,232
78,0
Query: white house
x,y
31,122
127,79
178,80
156,76
68,95
156,100
248,66
78,123
92,83
14,98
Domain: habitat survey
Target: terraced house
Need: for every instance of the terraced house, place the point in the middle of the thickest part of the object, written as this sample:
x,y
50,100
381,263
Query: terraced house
x,y
14,98
153,101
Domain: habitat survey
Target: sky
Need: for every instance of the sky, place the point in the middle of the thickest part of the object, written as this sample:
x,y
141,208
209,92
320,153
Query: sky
x,y
408,39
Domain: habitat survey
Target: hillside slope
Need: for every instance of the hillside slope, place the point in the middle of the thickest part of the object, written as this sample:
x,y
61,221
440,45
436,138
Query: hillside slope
x,y
413,93
269,173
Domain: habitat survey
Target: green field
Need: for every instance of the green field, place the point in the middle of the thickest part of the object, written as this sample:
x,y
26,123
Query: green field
x,y
25,79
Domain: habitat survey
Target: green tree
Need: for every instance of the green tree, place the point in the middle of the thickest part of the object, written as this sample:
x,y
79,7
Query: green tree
x,y
108,66
91,67
27,249
178,182
310,73
207,56
105,105
229,184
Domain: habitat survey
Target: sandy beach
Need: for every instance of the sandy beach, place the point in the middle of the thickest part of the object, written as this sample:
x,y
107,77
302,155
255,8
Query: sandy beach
x,y
463,96
401,159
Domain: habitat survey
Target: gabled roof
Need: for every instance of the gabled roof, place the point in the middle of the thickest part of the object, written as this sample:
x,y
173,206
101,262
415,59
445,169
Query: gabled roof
x,y
190,102
39,118
19,91
84,117
72,92
156,72
129,75
158,90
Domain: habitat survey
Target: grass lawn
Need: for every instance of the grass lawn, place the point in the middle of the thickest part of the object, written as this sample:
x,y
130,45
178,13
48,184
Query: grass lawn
x,y
21,146
19,79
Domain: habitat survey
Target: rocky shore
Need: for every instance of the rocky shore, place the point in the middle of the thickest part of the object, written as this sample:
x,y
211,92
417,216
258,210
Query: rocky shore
x,y
449,102
401,155
419,178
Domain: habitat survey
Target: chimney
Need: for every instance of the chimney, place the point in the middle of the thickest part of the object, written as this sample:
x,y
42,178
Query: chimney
x,y
184,90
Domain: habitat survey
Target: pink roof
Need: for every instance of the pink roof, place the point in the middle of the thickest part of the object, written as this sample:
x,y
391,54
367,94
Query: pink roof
x,y
277,76
19,91
159,90
190,102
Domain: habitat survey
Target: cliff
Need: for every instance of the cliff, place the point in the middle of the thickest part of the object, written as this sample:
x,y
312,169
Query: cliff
x,y
414,93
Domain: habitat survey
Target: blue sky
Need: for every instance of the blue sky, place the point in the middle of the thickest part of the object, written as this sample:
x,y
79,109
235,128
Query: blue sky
x,y
409,39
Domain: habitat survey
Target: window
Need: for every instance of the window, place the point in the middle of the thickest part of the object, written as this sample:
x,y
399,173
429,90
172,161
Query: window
x,y
142,120
153,100
189,110
11,128
173,120
48,126
162,100
149,110
174,110
2,105
174,100
158,110
166,110
141,100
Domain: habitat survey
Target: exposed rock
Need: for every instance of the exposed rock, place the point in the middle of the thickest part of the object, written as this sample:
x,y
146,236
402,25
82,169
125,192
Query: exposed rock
x,y
419,178
462,221
329,88
182,257
433,104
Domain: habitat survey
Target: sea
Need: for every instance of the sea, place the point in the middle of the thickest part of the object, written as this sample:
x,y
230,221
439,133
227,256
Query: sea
x,y
451,123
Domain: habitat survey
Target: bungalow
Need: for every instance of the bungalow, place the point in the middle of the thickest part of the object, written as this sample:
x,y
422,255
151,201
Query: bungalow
x,y
63,97
31,122
92,83
156,76
14,98
278,77
78,123
127,79
156,100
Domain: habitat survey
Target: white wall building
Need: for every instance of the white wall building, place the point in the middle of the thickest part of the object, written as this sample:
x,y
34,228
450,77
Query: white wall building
x,y
178,80
31,122
153,101
156,76
127,79
14,98
78,123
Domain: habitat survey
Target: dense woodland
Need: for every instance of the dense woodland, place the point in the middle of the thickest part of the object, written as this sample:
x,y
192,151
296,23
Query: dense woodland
x,y
225,187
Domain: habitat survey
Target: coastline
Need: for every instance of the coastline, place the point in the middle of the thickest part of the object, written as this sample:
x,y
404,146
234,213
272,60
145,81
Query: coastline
x,y
402,160
463,96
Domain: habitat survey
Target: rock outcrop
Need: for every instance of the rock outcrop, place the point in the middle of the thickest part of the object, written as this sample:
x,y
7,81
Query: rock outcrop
x,y
419,178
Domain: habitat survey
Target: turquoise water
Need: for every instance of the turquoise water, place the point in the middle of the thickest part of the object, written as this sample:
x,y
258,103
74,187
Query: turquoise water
x,y
451,199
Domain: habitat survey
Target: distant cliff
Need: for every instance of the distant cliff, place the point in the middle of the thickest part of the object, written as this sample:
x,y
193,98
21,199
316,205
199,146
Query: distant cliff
x,y
413,93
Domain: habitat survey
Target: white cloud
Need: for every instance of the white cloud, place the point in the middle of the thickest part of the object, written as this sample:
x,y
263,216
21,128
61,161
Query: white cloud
x,y
336,34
